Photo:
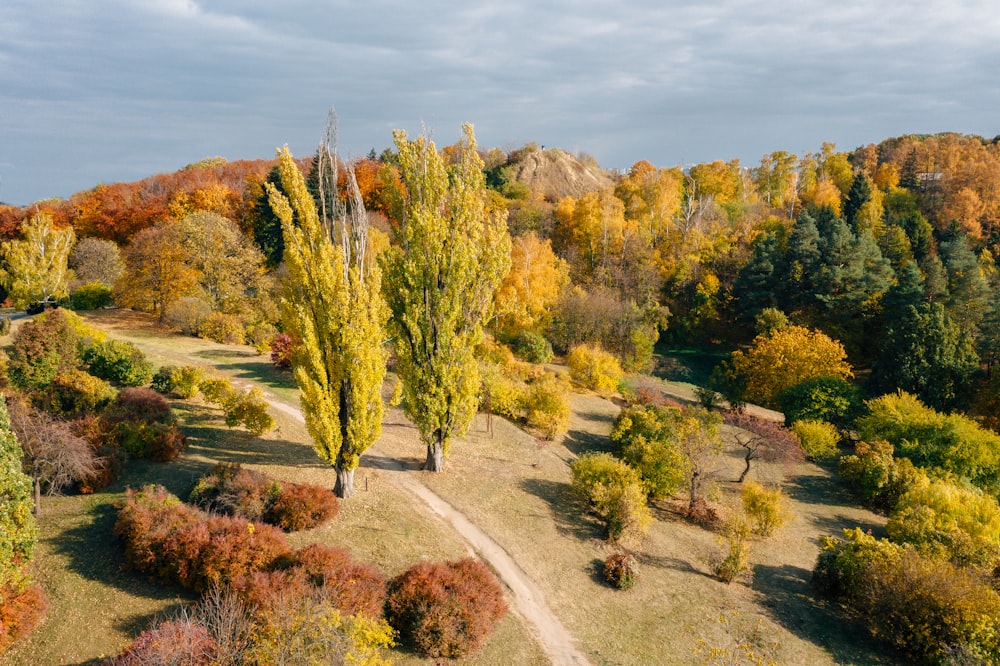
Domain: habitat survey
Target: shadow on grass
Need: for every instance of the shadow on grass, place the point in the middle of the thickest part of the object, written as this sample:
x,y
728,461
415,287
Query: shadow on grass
x,y
375,461
786,595
817,489
569,514
580,441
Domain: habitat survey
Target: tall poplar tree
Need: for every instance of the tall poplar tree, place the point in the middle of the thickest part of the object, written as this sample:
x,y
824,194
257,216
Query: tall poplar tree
x,y
452,251
333,308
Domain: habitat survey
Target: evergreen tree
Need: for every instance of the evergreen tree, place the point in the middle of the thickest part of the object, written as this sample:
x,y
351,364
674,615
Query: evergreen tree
x,y
334,308
452,252
857,196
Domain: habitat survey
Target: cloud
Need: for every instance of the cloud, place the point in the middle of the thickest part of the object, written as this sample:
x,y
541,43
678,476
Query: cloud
x,y
119,89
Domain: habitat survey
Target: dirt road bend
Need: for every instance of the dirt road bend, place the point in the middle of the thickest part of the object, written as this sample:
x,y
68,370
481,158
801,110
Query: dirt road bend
x,y
526,597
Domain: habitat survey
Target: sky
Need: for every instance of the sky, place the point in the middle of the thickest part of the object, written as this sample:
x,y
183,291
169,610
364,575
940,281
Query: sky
x,y
100,91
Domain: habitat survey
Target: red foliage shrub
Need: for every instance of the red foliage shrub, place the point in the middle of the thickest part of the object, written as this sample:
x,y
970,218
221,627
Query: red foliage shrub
x,y
176,642
109,467
355,587
621,570
139,405
178,543
300,506
445,609
233,490
20,613
701,513
281,351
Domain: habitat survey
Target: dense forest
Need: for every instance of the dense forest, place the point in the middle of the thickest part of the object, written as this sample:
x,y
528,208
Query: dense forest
x,y
855,292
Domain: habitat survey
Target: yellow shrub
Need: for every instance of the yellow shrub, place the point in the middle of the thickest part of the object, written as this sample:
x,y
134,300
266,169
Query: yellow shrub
x,y
594,368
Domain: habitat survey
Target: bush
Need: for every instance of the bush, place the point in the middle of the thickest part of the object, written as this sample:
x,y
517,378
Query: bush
x,y
301,506
621,570
445,609
140,423
75,393
281,351
177,543
532,347
615,492
233,490
91,296
827,398
223,328
21,609
44,347
876,477
119,362
951,442
187,314
927,608
183,382
736,535
547,405
500,393
819,439
139,405
766,508
180,642
647,439
943,519
259,335
594,368
247,408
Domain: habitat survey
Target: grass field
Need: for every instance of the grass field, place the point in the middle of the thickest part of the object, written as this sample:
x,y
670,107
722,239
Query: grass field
x,y
513,486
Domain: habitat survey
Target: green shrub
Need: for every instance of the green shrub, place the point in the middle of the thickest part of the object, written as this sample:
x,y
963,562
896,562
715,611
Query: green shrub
x,y
876,476
445,609
500,393
532,347
827,398
736,535
259,336
246,408
119,362
223,328
950,442
647,439
766,508
75,393
547,405
44,347
615,492
942,518
183,382
91,296
819,439
595,369
927,608
621,570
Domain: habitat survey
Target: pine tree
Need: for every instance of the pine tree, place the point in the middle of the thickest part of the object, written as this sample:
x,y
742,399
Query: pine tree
x,y
333,308
452,252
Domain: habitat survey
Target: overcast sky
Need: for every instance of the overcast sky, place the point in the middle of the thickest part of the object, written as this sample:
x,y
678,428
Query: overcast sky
x,y
98,91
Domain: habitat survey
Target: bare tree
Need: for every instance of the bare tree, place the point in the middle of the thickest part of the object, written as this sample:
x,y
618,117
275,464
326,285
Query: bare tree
x,y
762,439
53,456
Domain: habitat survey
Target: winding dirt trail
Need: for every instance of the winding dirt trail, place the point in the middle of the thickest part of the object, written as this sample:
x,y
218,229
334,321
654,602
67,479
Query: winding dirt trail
x,y
527,598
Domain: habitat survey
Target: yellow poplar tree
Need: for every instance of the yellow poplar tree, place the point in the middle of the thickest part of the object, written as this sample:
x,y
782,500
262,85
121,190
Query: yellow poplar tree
x,y
35,268
333,307
452,251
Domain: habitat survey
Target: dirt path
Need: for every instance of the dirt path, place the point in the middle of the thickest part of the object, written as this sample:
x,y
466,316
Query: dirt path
x,y
528,599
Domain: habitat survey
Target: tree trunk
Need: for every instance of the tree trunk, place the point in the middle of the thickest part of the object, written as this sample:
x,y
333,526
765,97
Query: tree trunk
x,y
344,487
746,467
435,455
694,491
38,497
